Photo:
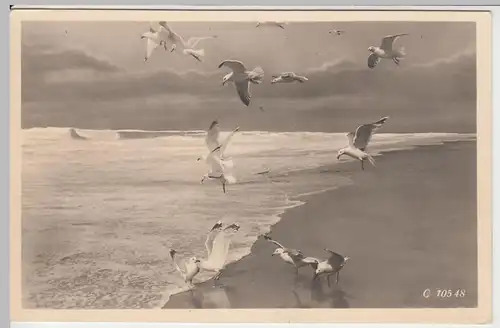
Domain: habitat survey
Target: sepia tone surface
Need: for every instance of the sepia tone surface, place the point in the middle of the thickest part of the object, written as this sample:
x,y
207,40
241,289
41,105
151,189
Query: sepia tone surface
x,y
103,204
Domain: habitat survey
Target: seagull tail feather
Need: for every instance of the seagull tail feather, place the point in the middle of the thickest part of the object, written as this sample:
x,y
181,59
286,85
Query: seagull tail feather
x,y
257,75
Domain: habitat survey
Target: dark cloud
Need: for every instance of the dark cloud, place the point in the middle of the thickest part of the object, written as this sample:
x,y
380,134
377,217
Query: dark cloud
x,y
39,59
443,88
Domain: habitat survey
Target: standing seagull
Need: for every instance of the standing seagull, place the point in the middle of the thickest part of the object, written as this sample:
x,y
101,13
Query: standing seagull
x,y
272,24
386,51
217,244
292,256
187,268
288,77
358,142
187,47
336,32
331,266
242,78
153,40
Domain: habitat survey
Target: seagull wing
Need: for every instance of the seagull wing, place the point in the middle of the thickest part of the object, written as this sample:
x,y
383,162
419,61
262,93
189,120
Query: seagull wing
x,y
220,249
217,168
243,89
235,65
151,45
168,34
212,138
192,42
365,132
388,40
180,264
312,261
295,254
373,60
274,241
301,79
335,259
210,238
226,141
350,138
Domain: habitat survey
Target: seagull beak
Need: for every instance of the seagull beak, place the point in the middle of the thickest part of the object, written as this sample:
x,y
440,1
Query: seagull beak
x,y
338,157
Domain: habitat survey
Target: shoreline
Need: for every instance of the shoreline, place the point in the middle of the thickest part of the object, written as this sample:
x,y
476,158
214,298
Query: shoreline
x,y
245,277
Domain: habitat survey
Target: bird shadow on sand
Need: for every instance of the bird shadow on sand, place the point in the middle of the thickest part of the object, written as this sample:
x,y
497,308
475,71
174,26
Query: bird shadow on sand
x,y
309,293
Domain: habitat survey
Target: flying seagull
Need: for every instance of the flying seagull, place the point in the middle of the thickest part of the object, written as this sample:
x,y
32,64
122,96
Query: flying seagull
x,y
213,142
187,268
221,167
272,24
292,256
187,47
154,39
386,51
288,77
241,77
336,32
358,142
330,266
217,245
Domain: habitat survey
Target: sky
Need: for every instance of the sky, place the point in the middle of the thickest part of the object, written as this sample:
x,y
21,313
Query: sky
x,y
92,75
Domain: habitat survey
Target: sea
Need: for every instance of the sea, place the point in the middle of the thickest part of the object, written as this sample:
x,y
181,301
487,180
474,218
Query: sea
x,y
100,215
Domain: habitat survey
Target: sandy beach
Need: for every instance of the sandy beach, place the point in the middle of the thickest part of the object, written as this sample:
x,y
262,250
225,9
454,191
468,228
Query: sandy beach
x,y
408,225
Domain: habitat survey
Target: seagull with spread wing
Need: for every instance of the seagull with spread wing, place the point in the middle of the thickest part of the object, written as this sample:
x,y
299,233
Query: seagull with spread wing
x,y
272,24
358,142
217,245
154,38
187,47
241,77
330,266
386,51
221,167
336,32
187,268
288,77
292,256
214,143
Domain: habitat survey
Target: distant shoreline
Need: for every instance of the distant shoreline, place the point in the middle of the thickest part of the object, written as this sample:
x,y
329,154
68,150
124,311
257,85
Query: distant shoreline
x,y
229,126
325,218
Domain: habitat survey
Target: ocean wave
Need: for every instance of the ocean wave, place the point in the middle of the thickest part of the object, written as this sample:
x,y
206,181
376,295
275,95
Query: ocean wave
x,y
135,196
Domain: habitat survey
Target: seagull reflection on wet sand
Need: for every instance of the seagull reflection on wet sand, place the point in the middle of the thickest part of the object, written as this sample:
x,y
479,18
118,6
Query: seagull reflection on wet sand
x,y
315,294
212,298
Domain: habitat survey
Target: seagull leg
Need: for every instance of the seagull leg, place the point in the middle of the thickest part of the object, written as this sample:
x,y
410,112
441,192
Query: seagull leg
x,y
224,187
328,279
337,278
362,165
216,278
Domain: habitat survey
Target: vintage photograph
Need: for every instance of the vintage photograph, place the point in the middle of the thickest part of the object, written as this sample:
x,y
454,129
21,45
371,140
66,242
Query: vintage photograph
x,y
253,164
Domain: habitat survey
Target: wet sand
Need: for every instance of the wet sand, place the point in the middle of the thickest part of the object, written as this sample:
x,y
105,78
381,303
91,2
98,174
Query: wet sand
x,y
408,225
